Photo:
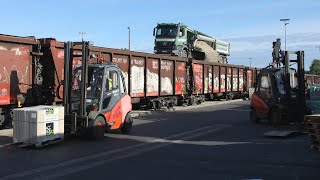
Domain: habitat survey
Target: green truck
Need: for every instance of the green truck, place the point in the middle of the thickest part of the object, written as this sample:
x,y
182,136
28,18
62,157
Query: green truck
x,y
182,41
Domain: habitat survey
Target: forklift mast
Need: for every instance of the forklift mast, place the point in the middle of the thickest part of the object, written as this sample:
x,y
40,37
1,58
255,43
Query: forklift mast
x,y
283,58
301,82
73,118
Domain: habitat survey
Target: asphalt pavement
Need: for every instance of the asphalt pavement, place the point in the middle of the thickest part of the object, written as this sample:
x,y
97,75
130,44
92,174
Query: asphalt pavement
x,y
198,142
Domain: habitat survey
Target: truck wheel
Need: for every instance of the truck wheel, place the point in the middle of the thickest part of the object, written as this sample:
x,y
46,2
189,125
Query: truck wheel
x,y
97,128
253,116
275,117
127,124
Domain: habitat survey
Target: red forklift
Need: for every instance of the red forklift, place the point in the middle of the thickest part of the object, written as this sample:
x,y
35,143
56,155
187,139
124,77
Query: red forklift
x,y
95,97
280,90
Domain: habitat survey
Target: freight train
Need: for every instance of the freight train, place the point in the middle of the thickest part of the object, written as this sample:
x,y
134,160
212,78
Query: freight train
x,y
31,73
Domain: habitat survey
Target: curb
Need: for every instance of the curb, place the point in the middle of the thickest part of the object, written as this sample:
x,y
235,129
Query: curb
x,y
137,113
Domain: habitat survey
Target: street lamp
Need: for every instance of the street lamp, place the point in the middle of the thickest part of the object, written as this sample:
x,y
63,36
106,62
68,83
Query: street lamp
x,y
82,33
129,37
250,61
285,32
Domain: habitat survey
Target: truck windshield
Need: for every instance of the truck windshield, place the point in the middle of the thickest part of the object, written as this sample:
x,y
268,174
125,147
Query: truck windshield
x,y
94,83
167,31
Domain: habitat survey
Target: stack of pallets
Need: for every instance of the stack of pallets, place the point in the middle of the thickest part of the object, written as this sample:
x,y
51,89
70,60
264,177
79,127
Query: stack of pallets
x,y
313,125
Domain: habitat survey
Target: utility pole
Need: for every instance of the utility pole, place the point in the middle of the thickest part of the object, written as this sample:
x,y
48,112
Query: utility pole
x,y
82,33
129,37
250,61
285,32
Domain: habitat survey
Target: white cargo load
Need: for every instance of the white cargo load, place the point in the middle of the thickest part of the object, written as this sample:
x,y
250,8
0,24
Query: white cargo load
x,y
38,124
223,47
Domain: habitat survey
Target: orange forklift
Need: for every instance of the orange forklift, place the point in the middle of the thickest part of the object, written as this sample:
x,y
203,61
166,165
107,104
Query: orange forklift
x,y
280,90
95,97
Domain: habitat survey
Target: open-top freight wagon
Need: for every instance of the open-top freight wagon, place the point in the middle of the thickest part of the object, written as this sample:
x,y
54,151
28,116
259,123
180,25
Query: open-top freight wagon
x,y
31,73
312,79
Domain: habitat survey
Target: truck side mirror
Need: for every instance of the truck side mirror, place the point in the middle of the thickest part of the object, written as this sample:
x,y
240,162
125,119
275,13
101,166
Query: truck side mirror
x,y
154,31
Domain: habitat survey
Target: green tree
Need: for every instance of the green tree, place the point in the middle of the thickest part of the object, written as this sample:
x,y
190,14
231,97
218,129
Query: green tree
x,y
315,67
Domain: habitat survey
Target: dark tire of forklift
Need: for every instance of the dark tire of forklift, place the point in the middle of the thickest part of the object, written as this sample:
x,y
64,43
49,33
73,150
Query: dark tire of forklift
x,y
97,128
275,117
127,124
253,116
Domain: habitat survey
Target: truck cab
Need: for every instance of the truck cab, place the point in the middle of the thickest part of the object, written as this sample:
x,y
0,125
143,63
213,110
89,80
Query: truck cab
x,y
171,39
182,41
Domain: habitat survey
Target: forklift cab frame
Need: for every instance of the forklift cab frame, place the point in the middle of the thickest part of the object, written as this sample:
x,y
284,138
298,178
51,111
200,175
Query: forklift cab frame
x,y
105,86
101,103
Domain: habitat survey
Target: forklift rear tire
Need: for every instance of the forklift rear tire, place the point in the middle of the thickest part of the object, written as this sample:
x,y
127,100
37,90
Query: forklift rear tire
x,y
253,116
127,124
97,128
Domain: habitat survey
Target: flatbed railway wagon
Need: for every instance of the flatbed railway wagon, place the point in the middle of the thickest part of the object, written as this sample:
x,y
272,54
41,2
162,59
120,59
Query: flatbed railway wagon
x,y
31,73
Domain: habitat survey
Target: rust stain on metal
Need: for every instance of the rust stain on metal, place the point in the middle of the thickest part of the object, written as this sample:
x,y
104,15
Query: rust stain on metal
x,y
222,79
216,79
181,78
241,80
249,79
229,80
207,79
15,71
235,77
153,77
137,76
166,77
198,78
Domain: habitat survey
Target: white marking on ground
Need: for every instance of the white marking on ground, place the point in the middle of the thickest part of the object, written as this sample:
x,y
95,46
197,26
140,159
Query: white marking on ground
x,y
149,139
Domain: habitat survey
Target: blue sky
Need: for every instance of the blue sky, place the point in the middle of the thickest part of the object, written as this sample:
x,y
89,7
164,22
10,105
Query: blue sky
x,y
249,25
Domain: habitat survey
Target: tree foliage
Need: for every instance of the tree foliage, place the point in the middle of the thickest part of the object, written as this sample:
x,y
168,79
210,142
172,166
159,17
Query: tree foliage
x,y
315,67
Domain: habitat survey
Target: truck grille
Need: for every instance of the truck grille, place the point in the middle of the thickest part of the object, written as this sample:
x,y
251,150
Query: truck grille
x,y
165,45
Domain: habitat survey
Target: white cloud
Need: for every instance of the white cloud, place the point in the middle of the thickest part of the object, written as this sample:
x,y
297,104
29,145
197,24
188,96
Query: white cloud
x,y
275,29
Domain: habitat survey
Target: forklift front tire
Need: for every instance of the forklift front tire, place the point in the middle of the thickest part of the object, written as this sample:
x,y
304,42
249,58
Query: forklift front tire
x,y
97,127
253,116
127,124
